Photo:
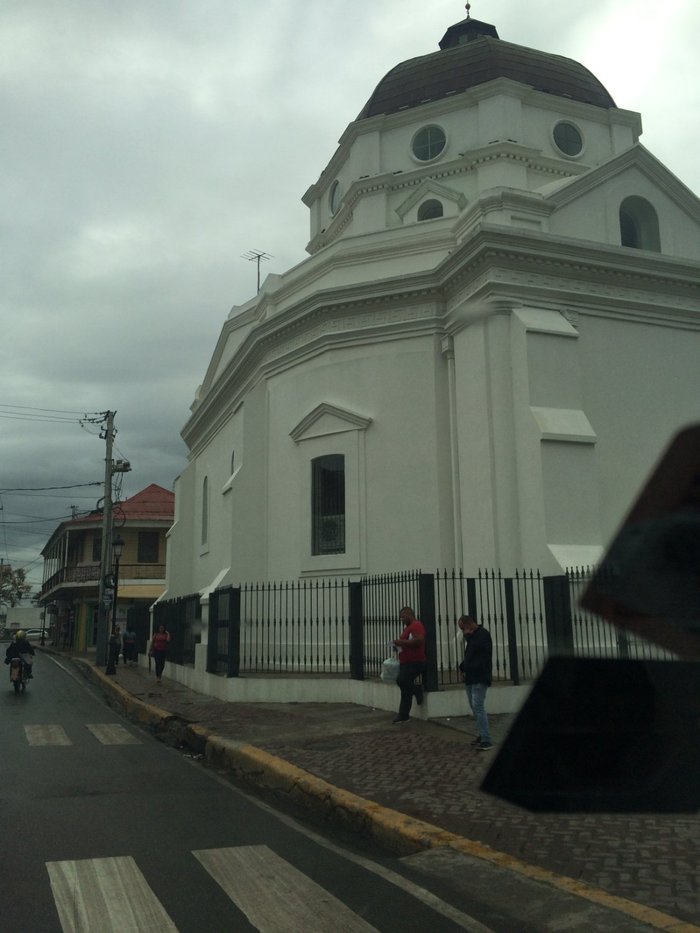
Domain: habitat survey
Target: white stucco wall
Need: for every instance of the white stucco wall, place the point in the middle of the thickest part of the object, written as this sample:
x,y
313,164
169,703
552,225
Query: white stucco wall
x,y
499,380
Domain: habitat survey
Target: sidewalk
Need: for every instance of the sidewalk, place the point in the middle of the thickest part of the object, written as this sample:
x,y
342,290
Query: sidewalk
x,y
415,787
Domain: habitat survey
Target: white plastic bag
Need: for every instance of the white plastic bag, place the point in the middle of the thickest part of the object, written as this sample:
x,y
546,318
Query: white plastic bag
x,y
390,670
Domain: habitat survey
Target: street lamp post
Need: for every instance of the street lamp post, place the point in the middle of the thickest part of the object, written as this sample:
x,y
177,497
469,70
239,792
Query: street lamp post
x,y
117,549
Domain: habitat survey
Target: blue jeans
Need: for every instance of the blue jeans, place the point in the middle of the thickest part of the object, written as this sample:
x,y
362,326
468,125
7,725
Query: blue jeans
x,y
476,694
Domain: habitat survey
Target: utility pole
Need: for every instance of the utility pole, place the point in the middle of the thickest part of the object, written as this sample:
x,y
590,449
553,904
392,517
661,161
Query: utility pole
x,y
103,614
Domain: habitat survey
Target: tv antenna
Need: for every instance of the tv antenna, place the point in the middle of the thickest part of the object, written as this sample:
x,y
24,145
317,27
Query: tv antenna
x,y
256,256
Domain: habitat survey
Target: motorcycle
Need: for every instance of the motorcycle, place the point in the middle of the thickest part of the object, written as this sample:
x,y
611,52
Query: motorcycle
x,y
19,674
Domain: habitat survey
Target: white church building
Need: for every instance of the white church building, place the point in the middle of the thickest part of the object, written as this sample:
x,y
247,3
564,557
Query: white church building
x,y
496,332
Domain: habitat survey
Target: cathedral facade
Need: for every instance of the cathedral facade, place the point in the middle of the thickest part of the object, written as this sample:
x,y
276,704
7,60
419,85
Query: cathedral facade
x,y
496,332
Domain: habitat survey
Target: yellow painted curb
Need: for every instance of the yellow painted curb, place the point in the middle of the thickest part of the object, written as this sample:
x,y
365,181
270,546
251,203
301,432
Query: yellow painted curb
x,y
397,830
394,830
145,713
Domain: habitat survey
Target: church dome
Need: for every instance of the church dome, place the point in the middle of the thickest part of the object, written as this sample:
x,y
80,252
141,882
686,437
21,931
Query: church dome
x,y
471,54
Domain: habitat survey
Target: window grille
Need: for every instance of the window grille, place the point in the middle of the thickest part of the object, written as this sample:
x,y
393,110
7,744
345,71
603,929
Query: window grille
x,y
328,504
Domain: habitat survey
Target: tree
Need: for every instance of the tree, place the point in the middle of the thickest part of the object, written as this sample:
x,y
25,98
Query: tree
x,y
13,585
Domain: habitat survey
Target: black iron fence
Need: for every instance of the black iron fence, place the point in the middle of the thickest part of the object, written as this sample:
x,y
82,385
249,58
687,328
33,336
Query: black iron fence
x,y
327,626
182,618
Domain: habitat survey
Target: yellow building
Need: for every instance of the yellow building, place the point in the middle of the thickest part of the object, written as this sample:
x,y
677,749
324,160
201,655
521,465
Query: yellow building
x,y
72,567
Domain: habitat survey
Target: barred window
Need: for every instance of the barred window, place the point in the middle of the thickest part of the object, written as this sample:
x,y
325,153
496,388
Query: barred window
x,y
328,504
148,547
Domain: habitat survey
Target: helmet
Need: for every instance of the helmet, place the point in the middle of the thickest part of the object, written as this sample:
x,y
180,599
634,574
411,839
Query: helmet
x,y
19,634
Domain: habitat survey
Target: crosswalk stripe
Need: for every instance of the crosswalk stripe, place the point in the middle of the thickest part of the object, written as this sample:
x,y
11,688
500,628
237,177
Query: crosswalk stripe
x,y
46,735
111,733
274,895
109,895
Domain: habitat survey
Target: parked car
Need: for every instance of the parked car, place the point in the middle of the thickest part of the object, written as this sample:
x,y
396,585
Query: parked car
x,y
33,634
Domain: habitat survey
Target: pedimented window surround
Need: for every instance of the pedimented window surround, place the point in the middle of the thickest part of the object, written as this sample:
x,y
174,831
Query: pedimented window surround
x,y
430,188
329,430
328,419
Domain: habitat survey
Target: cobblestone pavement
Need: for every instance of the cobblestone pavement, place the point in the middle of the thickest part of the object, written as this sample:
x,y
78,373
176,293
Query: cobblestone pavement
x,y
428,770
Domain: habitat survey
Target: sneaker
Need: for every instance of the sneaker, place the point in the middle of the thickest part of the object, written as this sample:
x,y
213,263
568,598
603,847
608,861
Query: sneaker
x,y
400,719
419,695
476,741
484,746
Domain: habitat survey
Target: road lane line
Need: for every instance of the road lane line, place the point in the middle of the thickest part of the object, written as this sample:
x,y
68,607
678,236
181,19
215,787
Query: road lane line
x,y
412,889
274,895
111,733
109,895
46,735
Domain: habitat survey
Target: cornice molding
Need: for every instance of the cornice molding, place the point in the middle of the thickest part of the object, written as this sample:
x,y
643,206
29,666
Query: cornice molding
x,y
462,101
390,182
581,278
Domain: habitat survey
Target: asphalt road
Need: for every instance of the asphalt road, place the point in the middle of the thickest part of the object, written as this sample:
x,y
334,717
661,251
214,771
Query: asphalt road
x,y
104,829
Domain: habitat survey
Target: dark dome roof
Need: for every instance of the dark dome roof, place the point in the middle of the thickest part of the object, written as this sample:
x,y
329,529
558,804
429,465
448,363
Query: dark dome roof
x,y
471,54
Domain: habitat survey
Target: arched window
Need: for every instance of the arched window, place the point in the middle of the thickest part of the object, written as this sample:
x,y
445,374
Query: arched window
x,y
328,504
430,209
639,225
205,510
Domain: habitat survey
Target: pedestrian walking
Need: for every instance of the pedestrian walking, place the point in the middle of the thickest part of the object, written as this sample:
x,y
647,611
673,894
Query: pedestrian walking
x,y
115,645
159,649
476,670
412,658
129,646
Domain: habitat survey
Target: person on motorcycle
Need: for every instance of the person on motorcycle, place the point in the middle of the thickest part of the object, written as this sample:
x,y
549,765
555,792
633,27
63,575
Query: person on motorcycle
x,y
19,647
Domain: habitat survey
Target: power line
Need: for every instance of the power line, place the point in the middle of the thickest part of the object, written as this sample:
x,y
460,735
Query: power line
x,y
14,416
31,495
55,411
34,521
49,488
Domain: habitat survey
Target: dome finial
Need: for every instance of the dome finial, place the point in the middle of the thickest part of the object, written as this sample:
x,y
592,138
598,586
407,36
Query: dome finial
x,y
467,7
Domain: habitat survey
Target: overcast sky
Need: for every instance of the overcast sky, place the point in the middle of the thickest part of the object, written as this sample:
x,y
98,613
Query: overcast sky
x,y
147,144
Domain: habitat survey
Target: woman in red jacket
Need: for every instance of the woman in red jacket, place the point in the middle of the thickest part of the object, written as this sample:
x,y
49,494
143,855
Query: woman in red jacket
x,y
159,649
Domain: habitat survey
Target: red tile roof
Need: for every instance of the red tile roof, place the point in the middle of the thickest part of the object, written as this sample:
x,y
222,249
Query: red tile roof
x,y
154,503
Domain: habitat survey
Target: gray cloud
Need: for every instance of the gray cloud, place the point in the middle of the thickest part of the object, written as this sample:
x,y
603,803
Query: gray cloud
x,y
146,146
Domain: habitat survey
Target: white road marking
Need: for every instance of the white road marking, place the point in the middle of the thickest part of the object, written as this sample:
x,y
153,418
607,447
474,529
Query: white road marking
x,y
274,895
109,895
456,916
47,735
111,733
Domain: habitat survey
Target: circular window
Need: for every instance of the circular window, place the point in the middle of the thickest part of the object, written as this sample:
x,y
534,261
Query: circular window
x,y
334,197
428,143
568,139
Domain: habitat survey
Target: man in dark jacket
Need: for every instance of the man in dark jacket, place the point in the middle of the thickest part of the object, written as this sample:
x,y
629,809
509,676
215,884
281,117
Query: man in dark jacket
x,y
476,668
20,647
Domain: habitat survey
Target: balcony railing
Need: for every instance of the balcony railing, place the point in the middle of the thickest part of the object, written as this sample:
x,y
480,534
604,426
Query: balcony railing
x,y
89,574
